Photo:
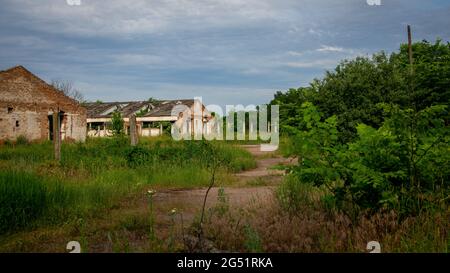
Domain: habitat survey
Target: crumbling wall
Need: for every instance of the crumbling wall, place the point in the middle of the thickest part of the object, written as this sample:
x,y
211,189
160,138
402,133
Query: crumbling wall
x,y
26,103
74,127
17,121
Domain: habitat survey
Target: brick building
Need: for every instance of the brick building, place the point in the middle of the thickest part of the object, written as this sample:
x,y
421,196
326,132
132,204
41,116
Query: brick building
x,y
27,104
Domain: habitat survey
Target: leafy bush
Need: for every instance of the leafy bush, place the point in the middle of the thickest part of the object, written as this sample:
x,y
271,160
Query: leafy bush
x,y
390,166
403,165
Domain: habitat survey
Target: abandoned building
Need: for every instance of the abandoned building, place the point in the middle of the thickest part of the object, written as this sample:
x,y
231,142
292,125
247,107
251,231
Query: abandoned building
x,y
27,104
190,115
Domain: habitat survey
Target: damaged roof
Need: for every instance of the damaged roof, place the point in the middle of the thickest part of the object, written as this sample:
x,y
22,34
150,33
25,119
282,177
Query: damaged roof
x,y
160,108
19,85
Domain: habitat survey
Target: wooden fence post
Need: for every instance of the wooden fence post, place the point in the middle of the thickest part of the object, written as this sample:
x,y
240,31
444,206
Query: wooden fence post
x,y
56,135
133,131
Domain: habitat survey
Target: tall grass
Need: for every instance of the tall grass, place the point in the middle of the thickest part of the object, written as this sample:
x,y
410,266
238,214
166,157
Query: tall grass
x,y
22,199
272,228
98,174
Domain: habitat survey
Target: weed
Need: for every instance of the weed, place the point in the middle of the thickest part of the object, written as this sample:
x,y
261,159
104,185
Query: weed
x,y
252,240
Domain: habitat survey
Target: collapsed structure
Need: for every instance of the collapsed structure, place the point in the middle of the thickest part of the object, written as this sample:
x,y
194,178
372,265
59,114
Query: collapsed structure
x,y
152,116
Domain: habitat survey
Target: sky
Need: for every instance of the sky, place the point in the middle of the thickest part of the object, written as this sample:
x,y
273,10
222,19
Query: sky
x,y
227,52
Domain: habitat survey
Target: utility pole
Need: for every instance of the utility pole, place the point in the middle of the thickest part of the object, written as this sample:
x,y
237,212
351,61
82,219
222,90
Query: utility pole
x,y
410,49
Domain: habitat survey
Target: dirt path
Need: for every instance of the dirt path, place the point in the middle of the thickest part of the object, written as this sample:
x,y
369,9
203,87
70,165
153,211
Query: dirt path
x,y
251,185
265,161
126,226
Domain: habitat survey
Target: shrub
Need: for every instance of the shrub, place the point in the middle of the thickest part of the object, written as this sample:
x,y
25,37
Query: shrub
x,y
402,165
137,156
292,195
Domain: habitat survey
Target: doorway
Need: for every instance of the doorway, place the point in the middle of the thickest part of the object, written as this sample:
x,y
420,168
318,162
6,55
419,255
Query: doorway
x,y
50,124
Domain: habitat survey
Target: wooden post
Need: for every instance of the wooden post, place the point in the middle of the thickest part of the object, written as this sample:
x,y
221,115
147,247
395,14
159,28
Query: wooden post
x,y
160,129
133,131
56,135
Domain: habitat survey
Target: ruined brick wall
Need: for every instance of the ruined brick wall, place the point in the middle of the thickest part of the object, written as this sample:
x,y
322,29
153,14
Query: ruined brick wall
x,y
74,126
16,121
26,103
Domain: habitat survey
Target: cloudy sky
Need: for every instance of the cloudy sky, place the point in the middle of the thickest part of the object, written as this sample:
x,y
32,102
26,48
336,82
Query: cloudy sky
x,y
227,51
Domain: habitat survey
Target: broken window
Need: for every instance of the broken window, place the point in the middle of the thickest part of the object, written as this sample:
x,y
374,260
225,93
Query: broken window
x,y
17,123
10,109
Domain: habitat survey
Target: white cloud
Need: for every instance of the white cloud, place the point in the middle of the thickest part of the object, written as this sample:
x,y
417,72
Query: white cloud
x,y
117,17
324,48
124,48
295,53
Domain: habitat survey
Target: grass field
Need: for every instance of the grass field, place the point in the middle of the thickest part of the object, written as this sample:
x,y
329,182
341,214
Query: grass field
x,y
95,176
97,195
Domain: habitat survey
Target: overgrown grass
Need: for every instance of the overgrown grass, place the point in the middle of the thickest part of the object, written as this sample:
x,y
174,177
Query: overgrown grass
x,y
276,225
99,174
23,198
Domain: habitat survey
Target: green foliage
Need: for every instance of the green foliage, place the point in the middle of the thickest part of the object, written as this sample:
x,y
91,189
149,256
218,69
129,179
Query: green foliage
x,y
402,165
142,112
252,240
293,195
117,124
137,156
431,79
222,206
378,135
316,146
153,100
166,125
352,91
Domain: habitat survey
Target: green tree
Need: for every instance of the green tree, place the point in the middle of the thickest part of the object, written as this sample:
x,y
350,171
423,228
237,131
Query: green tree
x,y
117,123
355,87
